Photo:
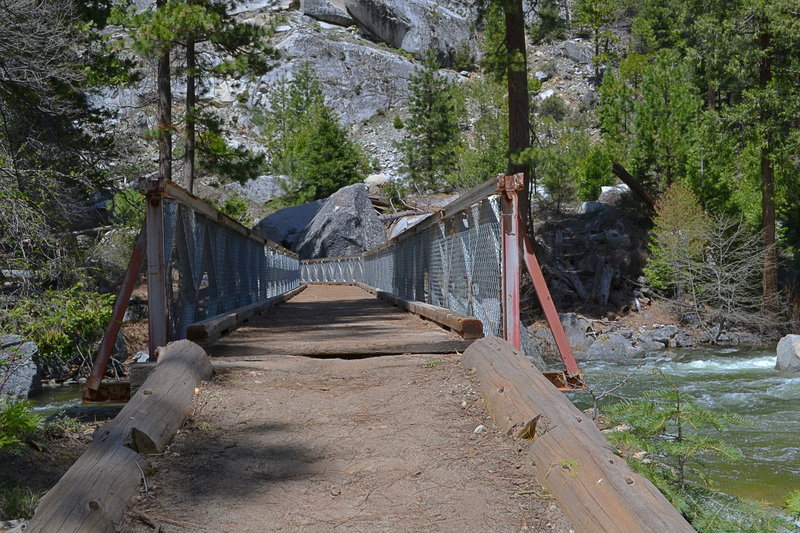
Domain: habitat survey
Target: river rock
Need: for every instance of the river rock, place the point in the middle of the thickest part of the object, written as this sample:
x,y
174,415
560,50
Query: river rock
x,y
662,335
347,224
10,340
682,339
136,310
19,369
612,195
333,11
415,26
286,226
541,341
613,347
650,346
788,354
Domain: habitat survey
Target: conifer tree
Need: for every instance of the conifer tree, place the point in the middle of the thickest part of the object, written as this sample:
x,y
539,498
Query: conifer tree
x,y
596,15
429,151
208,24
306,143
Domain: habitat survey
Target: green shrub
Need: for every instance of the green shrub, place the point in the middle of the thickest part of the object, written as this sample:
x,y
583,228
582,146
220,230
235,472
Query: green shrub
x,y
792,504
60,426
64,324
680,232
236,208
554,107
398,122
463,57
16,422
594,173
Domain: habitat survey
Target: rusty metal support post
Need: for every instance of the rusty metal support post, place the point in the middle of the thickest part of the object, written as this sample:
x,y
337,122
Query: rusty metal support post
x,y
549,308
120,306
156,268
507,188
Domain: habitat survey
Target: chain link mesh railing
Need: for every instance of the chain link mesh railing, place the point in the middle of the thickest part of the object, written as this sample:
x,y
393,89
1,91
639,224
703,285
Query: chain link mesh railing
x,y
213,268
454,263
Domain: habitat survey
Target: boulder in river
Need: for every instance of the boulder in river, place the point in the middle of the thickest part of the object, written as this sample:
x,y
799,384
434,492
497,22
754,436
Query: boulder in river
x,y
19,371
788,354
613,347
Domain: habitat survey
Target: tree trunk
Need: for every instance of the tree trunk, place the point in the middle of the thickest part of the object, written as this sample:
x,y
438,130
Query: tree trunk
x,y
518,107
188,161
770,274
164,114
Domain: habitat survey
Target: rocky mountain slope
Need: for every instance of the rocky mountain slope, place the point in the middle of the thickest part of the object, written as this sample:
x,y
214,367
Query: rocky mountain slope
x,y
364,52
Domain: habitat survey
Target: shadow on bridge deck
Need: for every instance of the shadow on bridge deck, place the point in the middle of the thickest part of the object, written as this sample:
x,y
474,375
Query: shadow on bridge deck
x,y
336,321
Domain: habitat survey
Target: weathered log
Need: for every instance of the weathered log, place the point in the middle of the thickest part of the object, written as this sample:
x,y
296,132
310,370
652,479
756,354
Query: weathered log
x,y
596,489
99,487
467,327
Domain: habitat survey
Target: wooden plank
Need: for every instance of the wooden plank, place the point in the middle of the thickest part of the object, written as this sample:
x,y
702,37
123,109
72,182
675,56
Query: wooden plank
x,y
597,490
211,328
244,352
99,487
468,327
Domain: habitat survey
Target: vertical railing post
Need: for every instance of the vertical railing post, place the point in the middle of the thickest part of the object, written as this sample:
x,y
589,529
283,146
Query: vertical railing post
x,y
156,268
507,188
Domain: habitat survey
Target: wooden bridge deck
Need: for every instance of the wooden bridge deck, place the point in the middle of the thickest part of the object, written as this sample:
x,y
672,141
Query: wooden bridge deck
x,y
278,442
336,321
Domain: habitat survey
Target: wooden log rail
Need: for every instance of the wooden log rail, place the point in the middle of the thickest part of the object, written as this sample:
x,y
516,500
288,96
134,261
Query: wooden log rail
x,y
211,329
96,491
596,489
467,327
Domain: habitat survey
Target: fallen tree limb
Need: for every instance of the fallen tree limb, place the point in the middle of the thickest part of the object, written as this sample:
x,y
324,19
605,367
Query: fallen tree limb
x,y
99,487
596,489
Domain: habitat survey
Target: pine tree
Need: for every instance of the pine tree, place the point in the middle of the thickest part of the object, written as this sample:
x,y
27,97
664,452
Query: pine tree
x,y
306,143
665,115
597,16
551,24
432,128
244,51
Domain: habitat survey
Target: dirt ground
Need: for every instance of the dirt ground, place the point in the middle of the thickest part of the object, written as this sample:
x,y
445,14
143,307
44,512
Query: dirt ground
x,y
395,443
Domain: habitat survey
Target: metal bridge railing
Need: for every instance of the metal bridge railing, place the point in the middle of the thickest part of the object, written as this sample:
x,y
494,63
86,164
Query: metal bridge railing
x,y
213,268
200,264
451,259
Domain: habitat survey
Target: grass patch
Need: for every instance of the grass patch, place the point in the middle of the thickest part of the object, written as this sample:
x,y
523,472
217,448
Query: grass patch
x,y
18,502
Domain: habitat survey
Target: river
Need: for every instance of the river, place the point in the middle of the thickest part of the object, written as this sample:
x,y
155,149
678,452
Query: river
x,y
737,380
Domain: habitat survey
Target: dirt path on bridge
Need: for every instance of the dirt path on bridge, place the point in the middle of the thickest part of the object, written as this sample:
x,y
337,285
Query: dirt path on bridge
x,y
368,445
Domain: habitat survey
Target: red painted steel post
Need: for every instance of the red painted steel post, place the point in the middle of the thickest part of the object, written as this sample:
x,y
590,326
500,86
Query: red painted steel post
x,y
156,268
507,187
549,308
120,306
